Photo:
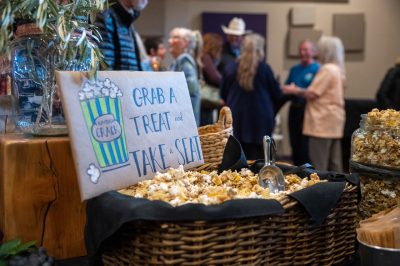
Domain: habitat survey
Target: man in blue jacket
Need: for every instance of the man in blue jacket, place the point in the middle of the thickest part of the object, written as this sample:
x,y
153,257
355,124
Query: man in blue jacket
x,y
119,44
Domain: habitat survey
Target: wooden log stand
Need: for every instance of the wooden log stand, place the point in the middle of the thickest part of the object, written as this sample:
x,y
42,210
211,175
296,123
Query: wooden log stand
x,y
39,195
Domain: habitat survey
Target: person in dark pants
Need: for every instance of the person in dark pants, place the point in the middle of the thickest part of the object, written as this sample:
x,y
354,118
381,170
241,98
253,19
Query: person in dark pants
x,y
301,75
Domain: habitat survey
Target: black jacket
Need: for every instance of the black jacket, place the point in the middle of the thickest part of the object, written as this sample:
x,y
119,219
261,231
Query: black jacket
x,y
227,57
388,96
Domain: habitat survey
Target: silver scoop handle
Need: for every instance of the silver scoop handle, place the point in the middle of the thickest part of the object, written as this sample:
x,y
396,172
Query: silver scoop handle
x,y
269,150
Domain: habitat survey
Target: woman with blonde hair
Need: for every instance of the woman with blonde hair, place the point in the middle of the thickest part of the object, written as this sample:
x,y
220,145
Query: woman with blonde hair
x,y
185,47
324,116
251,91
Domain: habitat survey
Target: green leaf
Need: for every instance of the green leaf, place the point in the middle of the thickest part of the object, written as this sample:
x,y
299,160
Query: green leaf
x,y
3,263
5,13
43,24
68,38
25,246
2,40
60,29
93,16
6,17
55,19
9,246
83,36
53,8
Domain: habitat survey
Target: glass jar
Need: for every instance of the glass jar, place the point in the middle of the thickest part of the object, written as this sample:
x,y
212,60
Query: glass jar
x,y
80,61
375,156
377,142
35,58
32,60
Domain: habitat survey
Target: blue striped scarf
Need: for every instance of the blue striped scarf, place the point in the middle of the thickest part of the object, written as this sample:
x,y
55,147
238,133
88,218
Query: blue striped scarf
x,y
118,42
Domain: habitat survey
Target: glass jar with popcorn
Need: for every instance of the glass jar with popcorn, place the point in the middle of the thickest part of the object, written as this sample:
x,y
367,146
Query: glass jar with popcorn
x,y
375,156
377,141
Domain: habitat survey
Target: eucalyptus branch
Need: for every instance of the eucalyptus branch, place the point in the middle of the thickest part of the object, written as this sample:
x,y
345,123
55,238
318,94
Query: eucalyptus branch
x,y
61,19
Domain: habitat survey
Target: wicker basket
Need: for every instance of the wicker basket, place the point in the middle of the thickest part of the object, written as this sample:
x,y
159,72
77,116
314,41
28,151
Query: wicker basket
x,y
331,243
213,137
288,239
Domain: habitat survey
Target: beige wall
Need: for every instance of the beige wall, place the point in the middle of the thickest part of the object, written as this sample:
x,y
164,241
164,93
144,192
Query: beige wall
x,y
152,20
364,72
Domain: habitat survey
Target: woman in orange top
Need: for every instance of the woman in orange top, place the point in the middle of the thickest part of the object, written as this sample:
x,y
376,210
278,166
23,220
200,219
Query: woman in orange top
x,y
324,116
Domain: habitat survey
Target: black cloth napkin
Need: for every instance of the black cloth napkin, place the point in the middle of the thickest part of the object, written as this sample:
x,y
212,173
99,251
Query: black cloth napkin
x,y
317,200
108,212
302,171
233,157
306,169
375,171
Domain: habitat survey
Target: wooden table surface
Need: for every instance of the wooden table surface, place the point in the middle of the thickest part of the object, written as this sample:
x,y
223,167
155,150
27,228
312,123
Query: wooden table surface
x,y
39,194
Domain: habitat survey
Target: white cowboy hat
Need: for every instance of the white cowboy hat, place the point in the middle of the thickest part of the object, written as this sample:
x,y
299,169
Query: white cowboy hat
x,y
236,27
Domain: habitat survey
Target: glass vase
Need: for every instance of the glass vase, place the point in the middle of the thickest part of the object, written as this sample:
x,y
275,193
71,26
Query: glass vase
x,y
35,58
32,56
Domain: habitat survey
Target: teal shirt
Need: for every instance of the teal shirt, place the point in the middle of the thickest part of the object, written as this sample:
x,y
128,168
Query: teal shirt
x,y
302,76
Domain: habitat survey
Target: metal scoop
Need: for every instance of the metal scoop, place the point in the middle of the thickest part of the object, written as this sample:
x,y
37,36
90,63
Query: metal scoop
x,y
271,176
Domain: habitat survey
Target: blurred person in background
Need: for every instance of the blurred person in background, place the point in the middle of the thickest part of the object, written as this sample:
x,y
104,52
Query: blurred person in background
x,y
235,33
324,116
250,89
388,95
156,52
300,75
212,48
185,47
119,43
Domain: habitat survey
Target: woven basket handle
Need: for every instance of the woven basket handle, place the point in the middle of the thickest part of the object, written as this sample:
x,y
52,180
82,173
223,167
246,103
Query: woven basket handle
x,y
225,117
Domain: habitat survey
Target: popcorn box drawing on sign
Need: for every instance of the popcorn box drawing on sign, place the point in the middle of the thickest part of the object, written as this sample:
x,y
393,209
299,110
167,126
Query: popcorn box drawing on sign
x,y
102,110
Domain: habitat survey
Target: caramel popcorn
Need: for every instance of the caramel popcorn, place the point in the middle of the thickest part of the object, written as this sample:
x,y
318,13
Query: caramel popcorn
x,y
378,142
387,118
377,195
178,186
